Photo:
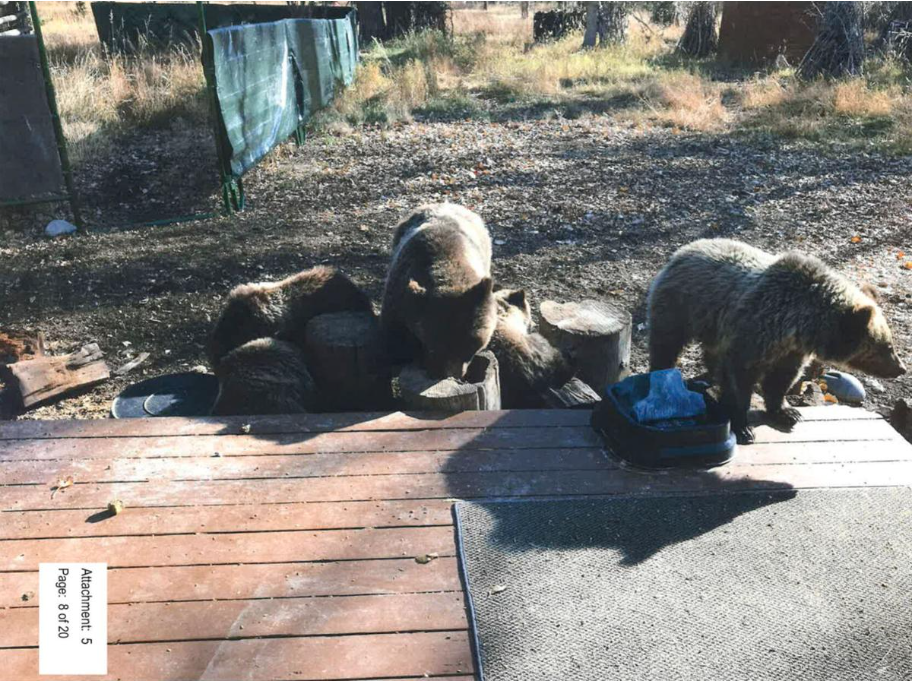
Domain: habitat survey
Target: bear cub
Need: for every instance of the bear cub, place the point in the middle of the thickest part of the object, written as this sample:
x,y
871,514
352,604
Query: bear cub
x,y
527,362
282,309
438,306
760,318
264,376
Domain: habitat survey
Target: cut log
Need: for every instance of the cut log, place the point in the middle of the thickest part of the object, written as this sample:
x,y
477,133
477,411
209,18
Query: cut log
x,y
48,377
481,389
574,395
346,358
595,335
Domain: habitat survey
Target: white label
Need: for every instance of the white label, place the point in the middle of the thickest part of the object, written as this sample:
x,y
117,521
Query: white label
x,y
73,619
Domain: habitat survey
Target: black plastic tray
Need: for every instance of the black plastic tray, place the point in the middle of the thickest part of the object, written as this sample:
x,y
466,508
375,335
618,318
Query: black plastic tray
x,y
706,444
188,394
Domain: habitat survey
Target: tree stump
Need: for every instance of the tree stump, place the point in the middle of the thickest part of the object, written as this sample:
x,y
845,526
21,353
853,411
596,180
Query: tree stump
x,y
346,358
574,395
595,335
481,389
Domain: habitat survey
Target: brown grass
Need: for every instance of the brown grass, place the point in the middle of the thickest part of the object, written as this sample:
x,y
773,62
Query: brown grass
x,y
101,96
684,100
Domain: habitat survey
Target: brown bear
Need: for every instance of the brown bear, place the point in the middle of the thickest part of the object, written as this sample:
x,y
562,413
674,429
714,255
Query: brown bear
x,y
527,362
438,306
761,318
282,309
264,376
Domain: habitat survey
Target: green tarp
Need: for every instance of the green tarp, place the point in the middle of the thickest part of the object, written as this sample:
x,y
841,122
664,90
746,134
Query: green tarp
x,y
270,78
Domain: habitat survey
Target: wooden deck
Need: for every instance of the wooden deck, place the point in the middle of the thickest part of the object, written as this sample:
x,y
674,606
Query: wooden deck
x,y
284,547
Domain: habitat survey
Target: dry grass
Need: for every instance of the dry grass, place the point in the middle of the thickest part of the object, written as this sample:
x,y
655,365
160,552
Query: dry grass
x,y
855,98
684,100
499,23
100,96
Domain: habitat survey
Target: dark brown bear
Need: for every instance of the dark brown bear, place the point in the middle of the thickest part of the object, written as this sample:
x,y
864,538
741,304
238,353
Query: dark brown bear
x,y
761,318
264,376
282,309
438,306
527,363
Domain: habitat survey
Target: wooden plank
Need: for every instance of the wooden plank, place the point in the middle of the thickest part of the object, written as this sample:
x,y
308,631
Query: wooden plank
x,y
231,548
95,496
44,472
48,377
391,441
298,466
415,487
289,424
394,543
235,619
215,519
316,658
286,444
317,423
255,581
828,431
843,413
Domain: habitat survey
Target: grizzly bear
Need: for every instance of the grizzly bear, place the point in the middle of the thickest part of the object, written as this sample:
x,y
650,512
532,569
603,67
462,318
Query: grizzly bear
x,y
527,362
438,306
282,309
761,318
264,376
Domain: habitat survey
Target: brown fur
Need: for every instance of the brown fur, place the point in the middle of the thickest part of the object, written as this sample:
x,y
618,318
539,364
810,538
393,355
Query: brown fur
x,y
527,362
264,376
761,318
282,309
438,306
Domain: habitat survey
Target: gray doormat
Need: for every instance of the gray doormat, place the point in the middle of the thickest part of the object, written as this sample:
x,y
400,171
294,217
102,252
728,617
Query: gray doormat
x,y
811,584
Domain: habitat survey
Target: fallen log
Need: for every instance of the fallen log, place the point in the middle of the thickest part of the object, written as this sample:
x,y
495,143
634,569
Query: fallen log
x,y
49,377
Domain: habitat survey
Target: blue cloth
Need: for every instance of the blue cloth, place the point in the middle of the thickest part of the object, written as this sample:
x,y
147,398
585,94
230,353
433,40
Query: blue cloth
x,y
668,398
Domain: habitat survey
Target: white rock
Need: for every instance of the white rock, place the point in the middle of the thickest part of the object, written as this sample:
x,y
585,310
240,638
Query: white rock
x,y
56,228
845,387
874,384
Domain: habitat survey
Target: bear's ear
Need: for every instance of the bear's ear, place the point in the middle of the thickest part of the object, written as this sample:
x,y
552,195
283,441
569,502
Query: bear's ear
x,y
855,323
870,290
480,290
416,289
517,298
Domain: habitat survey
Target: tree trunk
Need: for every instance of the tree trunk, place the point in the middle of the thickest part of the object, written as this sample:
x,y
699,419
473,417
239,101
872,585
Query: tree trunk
x,y
481,389
838,49
592,22
895,36
398,18
371,23
346,358
524,10
700,36
613,24
607,21
595,335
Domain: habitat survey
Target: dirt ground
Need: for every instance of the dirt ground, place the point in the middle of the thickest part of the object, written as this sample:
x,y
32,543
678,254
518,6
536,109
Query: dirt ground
x,y
582,208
